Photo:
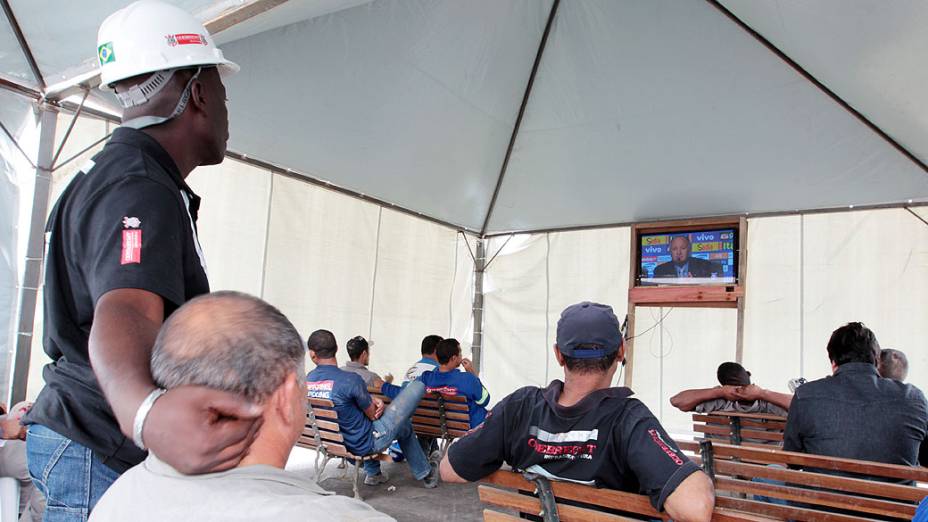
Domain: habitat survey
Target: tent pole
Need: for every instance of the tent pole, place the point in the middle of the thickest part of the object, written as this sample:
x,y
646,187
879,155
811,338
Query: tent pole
x,y
35,250
480,263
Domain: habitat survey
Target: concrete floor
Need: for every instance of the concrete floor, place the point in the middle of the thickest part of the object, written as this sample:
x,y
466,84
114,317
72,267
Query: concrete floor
x,y
402,497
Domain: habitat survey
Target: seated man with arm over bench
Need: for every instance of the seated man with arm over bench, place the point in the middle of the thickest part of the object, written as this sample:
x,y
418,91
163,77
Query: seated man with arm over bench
x,y
449,380
236,343
584,431
367,426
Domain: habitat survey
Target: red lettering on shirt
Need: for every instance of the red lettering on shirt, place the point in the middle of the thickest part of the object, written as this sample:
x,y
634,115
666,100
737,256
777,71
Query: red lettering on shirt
x,y
444,390
131,247
320,389
656,437
570,451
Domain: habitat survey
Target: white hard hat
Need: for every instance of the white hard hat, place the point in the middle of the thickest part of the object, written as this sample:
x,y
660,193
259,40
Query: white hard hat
x,y
149,36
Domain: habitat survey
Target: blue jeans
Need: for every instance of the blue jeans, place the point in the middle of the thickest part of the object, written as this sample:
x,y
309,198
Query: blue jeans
x,y
395,424
763,480
67,473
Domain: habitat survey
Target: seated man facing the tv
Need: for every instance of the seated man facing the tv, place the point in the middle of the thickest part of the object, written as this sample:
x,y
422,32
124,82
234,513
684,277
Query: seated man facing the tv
x,y
684,265
368,427
583,430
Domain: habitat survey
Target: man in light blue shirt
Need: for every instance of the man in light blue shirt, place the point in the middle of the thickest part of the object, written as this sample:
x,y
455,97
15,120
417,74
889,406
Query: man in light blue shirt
x,y
429,360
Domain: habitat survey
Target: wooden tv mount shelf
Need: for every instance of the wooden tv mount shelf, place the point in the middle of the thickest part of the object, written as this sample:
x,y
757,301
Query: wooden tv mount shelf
x,y
704,296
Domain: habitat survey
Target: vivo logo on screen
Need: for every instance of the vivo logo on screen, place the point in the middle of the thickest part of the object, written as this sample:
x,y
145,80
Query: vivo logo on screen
x,y
653,250
705,237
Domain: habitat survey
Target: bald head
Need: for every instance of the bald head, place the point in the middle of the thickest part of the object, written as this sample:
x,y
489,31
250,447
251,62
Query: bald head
x,y
893,364
227,341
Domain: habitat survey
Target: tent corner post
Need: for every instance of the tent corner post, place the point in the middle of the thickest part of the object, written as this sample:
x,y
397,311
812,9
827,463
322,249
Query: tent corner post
x,y
35,255
480,263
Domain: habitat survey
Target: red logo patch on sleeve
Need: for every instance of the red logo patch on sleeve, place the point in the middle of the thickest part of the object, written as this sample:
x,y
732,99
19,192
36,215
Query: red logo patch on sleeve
x,y
131,247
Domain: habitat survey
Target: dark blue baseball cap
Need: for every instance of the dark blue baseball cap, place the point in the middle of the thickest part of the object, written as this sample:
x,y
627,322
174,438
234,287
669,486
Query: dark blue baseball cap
x,y
587,324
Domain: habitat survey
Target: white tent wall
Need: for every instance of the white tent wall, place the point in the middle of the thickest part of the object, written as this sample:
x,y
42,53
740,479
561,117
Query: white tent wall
x,y
417,290
807,275
232,223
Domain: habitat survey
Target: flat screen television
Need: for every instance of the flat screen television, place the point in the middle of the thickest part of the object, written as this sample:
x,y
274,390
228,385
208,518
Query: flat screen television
x,y
688,257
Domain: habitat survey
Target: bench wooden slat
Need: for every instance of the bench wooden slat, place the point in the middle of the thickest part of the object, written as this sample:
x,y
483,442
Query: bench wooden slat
x,y
745,434
818,498
495,516
324,425
532,505
325,414
628,502
451,406
432,396
777,456
764,416
746,422
821,480
320,403
453,415
785,512
431,421
436,432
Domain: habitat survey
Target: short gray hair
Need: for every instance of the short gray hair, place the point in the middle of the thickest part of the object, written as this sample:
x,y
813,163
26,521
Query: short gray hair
x,y
227,341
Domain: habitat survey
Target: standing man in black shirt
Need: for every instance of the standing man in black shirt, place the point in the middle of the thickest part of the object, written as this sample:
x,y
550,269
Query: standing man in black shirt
x,y
123,255
582,430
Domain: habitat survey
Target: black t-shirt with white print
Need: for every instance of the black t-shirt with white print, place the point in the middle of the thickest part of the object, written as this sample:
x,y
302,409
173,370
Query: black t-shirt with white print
x,y
127,220
607,439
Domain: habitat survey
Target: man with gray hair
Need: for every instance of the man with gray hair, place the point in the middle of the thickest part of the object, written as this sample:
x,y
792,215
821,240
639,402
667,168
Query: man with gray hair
x,y
893,365
236,343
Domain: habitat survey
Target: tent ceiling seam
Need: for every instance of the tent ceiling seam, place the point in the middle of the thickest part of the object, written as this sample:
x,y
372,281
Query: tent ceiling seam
x,y
518,123
23,44
821,86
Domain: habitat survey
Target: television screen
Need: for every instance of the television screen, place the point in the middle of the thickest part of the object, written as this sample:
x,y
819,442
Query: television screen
x,y
689,257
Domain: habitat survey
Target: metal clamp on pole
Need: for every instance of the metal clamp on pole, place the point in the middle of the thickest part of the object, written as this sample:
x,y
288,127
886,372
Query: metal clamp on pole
x,y
545,495
708,459
735,435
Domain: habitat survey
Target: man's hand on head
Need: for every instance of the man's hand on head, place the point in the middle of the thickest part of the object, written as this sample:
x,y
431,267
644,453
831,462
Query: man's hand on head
x,y
468,366
730,393
388,378
751,392
201,430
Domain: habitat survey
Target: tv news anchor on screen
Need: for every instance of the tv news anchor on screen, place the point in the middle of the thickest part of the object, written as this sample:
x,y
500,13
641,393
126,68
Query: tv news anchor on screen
x,y
682,264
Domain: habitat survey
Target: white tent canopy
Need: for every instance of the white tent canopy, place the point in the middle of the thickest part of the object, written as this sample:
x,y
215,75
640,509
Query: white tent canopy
x,y
637,111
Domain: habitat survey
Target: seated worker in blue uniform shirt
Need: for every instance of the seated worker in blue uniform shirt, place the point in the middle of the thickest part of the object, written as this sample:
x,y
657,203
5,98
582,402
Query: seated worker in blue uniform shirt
x,y
428,361
366,425
448,380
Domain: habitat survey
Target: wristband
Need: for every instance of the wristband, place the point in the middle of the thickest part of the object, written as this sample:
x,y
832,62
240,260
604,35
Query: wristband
x,y
142,413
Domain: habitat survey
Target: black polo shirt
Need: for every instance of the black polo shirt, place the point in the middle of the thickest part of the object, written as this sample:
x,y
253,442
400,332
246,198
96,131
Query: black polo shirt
x,y
606,440
127,220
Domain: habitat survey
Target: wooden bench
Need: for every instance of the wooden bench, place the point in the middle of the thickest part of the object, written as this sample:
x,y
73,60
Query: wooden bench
x,y
750,429
322,434
568,502
814,495
442,417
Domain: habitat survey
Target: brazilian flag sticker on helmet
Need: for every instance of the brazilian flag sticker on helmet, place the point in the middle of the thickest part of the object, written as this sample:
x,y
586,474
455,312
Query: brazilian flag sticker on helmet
x,y
105,53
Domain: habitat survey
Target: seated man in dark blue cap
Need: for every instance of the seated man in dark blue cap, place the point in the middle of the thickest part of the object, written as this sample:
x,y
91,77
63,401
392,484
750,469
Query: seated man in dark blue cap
x,y
582,430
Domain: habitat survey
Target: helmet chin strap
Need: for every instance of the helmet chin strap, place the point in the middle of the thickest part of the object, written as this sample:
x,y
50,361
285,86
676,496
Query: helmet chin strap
x,y
145,91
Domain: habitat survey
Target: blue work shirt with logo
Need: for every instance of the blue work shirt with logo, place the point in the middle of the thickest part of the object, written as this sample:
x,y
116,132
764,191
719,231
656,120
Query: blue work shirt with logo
x,y
457,382
349,394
